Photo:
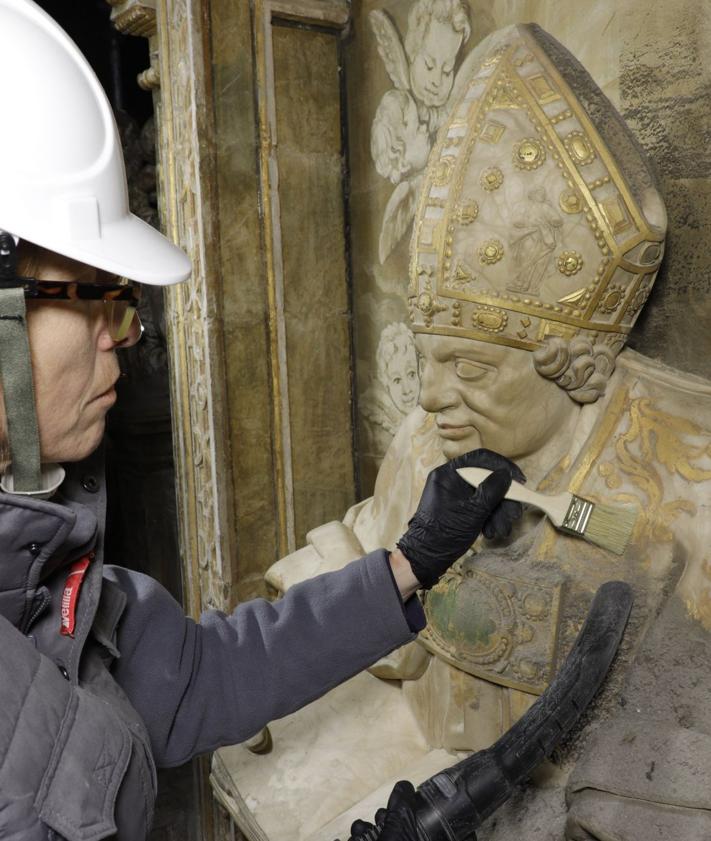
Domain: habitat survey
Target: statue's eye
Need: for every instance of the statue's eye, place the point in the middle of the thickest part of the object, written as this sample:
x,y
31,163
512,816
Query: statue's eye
x,y
397,380
471,371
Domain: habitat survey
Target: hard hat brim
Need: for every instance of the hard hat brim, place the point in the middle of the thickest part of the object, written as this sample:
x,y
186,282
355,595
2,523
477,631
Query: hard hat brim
x,y
128,247
133,249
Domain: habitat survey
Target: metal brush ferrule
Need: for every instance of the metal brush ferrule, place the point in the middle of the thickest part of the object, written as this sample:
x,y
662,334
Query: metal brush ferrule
x,y
576,519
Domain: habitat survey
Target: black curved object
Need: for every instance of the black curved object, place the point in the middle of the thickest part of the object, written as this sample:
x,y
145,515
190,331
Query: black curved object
x,y
454,802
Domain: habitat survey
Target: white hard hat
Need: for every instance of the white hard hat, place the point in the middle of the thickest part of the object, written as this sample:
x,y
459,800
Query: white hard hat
x,y
62,177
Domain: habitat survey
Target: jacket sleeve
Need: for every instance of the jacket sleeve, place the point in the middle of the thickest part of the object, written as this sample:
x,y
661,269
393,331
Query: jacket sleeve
x,y
199,686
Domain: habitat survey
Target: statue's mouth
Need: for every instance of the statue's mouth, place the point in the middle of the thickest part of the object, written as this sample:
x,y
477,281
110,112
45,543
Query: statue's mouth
x,y
453,432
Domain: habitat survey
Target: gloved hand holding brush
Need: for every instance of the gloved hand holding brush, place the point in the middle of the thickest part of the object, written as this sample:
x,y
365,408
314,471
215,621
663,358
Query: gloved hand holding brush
x,y
452,514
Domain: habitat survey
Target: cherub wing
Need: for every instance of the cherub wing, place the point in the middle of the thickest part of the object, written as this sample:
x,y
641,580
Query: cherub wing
x,y
399,213
390,48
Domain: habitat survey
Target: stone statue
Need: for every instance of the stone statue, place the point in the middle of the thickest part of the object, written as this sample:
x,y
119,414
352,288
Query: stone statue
x,y
537,239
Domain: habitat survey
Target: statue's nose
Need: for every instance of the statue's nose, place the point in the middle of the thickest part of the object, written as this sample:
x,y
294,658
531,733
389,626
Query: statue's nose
x,y
436,394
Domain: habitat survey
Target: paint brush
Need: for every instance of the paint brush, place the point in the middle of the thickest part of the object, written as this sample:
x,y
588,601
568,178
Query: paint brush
x,y
604,525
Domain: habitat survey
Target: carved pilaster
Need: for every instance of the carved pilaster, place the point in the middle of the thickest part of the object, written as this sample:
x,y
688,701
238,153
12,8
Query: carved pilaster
x,y
193,311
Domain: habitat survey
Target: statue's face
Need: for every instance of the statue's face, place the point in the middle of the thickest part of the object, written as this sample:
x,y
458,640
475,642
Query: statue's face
x,y
432,67
487,395
403,382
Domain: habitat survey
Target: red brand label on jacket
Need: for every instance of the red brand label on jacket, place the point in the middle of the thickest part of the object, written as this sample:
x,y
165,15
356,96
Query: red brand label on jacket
x,y
71,593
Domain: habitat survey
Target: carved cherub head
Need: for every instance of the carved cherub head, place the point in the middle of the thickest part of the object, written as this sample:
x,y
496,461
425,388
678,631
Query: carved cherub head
x,y
397,366
537,240
436,31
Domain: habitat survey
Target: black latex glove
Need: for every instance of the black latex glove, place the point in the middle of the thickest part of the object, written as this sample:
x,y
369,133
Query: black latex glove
x,y
396,823
452,513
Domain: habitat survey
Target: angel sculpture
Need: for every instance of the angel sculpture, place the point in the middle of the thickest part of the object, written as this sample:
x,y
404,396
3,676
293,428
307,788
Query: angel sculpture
x,y
408,117
394,393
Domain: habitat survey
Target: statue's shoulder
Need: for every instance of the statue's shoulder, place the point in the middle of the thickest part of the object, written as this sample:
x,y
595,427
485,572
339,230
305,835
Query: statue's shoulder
x,y
663,378
414,451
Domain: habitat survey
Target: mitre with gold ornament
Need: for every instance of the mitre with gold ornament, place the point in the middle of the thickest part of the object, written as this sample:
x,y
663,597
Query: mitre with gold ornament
x,y
538,215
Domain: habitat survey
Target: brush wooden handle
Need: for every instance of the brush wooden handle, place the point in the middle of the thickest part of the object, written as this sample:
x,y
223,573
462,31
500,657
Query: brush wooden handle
x,y
556,507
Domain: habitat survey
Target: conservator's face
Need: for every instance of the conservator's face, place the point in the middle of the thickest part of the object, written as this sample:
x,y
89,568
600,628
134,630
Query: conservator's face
x,y
486,395
74,365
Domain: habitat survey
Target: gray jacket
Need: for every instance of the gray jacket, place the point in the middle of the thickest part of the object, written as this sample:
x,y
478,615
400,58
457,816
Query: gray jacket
x,y
85,718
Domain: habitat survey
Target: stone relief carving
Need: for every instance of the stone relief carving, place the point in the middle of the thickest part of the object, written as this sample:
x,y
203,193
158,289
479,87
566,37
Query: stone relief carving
x,y
634,433
394,391
204,494
421,66
537,225
408,116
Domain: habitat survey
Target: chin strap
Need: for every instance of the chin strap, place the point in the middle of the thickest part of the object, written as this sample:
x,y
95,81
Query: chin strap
x,y
18,392
16,376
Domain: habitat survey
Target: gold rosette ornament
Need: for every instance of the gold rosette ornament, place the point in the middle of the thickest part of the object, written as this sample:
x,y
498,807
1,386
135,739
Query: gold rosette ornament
x,y
569,226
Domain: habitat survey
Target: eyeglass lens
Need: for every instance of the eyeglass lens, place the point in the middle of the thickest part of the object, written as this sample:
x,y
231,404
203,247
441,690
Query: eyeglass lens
x,y
122,318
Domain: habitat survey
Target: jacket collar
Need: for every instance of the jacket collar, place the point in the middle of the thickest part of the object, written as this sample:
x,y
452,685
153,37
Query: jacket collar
x,y
36,538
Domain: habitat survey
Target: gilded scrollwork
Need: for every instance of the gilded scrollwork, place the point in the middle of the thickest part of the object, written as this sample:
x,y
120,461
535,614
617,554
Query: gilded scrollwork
x,y
657,441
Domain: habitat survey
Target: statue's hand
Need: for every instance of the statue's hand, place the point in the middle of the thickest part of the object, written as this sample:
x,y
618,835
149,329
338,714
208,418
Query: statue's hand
x,y
452,513
395,823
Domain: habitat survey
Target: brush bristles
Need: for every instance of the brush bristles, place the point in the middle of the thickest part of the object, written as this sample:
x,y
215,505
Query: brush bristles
x,y
610,527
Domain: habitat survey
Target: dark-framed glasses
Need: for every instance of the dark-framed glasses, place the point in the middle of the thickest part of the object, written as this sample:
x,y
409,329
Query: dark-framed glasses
x,y
121,299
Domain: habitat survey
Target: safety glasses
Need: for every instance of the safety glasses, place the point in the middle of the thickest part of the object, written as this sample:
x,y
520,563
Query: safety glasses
x,y
121,299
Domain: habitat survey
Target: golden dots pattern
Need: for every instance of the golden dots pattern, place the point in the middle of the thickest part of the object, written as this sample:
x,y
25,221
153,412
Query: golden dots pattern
x,y
491,178
528,153
489,319
571,201
466,212
570,263
579,148
491,252
611,300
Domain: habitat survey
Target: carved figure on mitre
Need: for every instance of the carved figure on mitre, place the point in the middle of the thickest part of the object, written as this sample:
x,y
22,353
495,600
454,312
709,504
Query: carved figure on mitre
x,y
521,347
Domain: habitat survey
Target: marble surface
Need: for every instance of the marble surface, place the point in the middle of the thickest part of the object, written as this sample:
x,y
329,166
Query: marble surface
x,y
319,776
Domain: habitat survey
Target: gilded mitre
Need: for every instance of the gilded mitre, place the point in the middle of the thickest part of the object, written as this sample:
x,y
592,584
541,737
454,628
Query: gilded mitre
x,y
538,216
